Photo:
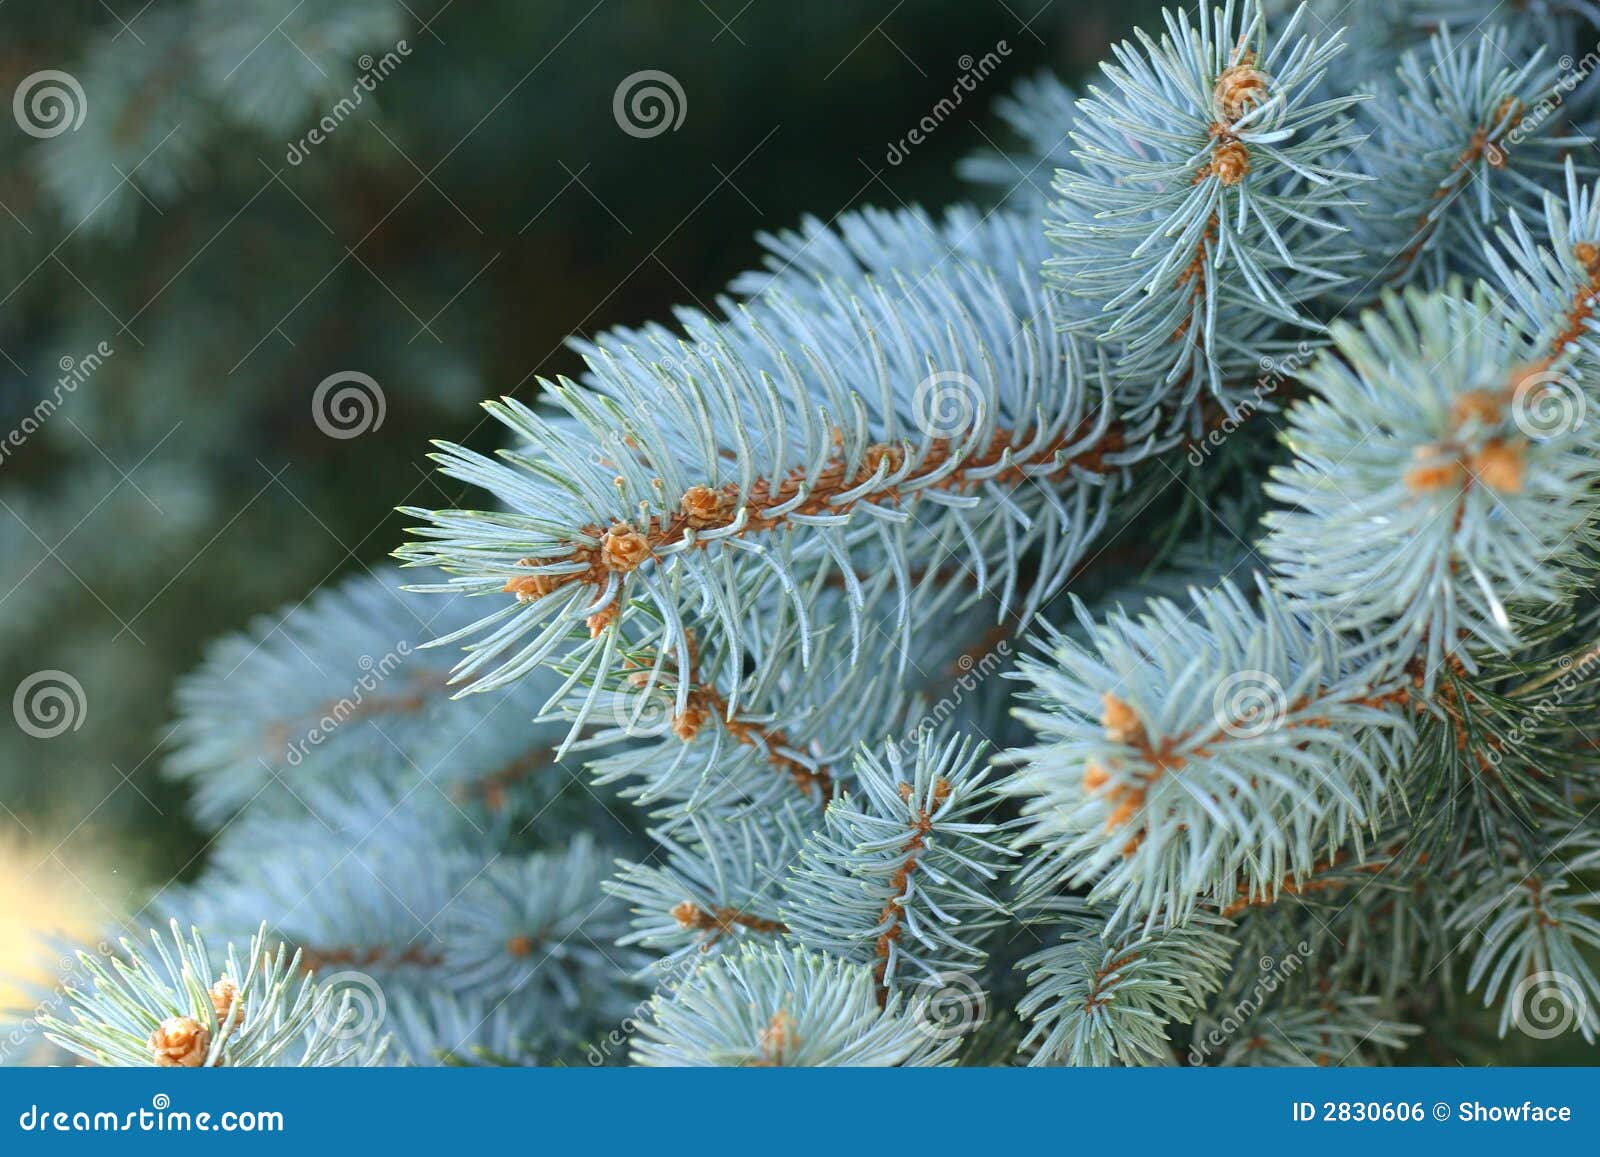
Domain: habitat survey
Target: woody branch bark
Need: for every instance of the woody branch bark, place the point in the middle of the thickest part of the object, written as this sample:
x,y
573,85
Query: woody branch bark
x,y
885,475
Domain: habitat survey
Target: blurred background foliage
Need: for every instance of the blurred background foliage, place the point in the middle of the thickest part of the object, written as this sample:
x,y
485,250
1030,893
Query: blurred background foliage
x,y
480,205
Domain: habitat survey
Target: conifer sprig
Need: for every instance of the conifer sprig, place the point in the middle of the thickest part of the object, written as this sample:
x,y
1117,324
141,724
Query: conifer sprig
x,y
1204,208
177,1005
1273,801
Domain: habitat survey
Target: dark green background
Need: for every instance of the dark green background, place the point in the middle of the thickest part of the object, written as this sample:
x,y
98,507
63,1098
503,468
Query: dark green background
x,y
493,193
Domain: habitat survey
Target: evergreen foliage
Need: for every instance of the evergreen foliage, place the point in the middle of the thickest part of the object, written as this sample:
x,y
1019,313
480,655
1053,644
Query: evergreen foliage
x,y
740,606
258,1010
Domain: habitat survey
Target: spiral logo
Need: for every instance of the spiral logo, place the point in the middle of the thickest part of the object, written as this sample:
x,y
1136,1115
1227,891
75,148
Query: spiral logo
x,y
1548,404
49,103
161,1101
948,1005
364,61
1243,93
649,103
1547,1004
643,716
946,404
1248,704
964,62
348,404
355,1005
49,703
